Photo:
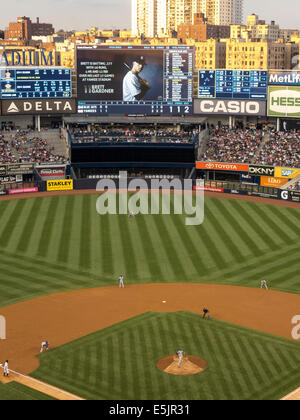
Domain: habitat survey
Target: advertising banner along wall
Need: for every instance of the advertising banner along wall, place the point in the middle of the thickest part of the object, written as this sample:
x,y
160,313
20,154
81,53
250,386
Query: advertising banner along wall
x,y
284,101
261,170
63,185
219,166
268,181
287,173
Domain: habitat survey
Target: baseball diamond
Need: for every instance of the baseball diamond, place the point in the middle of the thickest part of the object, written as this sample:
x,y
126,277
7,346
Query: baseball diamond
x,y
60,264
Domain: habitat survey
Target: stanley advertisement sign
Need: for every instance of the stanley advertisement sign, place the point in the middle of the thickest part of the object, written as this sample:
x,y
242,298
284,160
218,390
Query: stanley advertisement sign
x,y
63,185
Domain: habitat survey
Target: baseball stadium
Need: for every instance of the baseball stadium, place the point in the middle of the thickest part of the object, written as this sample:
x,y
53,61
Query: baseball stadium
x,y
141,305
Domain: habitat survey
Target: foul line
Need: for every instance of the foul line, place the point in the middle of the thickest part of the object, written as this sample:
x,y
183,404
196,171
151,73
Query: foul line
x,y
43,384
291,395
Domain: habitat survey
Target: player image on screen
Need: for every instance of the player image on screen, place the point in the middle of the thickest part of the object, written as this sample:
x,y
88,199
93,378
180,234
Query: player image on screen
x,y
134,87
126,79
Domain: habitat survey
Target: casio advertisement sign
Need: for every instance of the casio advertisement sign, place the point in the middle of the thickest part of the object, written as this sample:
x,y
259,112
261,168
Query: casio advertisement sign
x,y
39,106
259,170
229,107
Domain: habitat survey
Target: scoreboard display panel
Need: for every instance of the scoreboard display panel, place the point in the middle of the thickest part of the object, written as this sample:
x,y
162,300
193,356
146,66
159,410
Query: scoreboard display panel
x,y
233,84
130,80
28,82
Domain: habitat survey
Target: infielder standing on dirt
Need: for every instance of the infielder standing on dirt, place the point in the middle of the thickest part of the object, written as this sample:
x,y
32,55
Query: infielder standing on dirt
x,y
45,346
121,282
6,370
264,285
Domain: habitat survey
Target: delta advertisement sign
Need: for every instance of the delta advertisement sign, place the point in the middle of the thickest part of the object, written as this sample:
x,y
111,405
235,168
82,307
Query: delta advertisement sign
x,y
284,101
38,106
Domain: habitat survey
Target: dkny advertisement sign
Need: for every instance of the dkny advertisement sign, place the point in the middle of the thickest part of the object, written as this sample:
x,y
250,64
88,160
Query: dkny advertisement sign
x,y
260,170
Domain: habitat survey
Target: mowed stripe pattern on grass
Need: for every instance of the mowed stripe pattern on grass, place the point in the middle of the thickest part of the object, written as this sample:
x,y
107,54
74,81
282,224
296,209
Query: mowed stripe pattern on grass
x,y
120,362
52,244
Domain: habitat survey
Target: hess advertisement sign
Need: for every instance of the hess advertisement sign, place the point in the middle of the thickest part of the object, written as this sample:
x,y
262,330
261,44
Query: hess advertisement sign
x,y
284,101
229,107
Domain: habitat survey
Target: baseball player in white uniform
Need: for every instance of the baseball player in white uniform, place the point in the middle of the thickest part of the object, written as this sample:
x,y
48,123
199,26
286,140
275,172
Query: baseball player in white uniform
x,y
6,370
45,346
121,282
264,285
180,355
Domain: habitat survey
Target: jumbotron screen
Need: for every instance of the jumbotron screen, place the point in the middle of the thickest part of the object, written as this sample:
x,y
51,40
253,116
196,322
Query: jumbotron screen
x,y
233,84
148,80
28,82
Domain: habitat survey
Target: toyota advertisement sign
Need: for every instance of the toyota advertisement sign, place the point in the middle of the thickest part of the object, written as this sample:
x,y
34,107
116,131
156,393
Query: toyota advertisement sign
x,y
230,107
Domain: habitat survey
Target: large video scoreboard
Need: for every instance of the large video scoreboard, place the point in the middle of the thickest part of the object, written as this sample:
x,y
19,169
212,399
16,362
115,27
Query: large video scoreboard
x,y
28,82
149,80
233,84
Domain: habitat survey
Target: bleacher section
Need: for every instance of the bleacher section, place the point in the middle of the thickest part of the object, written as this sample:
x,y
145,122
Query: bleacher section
x,y
22,146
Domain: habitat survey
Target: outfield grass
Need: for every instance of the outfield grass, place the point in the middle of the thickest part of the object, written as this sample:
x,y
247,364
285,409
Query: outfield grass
x,y
120,362
14,391
53,244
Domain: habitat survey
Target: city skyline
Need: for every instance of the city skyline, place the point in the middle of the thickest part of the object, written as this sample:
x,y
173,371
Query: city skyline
x,y
74,14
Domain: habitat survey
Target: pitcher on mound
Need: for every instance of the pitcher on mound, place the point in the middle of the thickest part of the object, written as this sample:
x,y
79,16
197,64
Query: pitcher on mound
x,y
180,355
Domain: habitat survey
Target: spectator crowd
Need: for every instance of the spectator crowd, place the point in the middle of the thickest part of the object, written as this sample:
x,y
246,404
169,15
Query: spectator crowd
x,y
23,146
132,135
246,146
233,146
282,149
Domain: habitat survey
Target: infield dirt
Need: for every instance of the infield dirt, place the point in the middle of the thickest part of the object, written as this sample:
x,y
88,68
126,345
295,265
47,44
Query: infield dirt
x,y
62,318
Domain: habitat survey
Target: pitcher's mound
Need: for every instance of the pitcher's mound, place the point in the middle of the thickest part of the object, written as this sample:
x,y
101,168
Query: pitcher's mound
x,y
191,365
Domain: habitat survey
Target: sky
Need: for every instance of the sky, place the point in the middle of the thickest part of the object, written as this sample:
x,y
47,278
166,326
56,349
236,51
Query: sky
x,y
107,14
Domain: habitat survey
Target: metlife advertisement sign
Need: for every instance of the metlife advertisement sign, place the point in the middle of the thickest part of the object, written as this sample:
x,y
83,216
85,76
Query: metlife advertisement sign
x,y
284,78
284,101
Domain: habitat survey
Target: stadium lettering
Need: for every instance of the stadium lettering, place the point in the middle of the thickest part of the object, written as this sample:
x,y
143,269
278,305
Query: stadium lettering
x,y
287,101
47,106
231,107
293,78
27,58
